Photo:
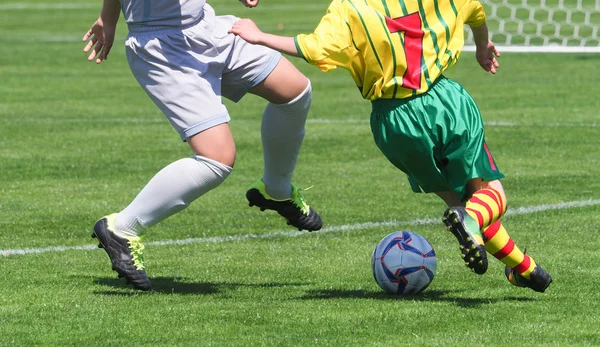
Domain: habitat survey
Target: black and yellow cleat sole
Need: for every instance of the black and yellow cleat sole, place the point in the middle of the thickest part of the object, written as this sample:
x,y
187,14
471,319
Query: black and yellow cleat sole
x,y
472,252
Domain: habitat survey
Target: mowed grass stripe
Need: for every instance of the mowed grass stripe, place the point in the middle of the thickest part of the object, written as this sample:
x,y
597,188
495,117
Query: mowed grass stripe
x,y
156,120
347,227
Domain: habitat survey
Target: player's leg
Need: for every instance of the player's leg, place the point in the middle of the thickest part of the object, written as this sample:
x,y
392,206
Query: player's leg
x,y
171,190
193,106
486,205
466,220
266,73
282,133
408,134
283,124
178,184
466,231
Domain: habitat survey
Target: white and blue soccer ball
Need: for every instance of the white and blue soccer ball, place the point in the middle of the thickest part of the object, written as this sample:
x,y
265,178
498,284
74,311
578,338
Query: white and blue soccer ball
x,y
404,263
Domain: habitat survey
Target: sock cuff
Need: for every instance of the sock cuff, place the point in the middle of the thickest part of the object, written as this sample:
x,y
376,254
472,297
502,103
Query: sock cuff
x,y
303,99
216,166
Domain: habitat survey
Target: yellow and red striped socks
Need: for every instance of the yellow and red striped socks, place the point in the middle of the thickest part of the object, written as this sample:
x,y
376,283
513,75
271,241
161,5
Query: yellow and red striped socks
x,y
486,206
501,245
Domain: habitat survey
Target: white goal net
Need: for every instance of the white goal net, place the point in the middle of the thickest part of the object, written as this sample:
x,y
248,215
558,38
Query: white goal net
x,y
542,25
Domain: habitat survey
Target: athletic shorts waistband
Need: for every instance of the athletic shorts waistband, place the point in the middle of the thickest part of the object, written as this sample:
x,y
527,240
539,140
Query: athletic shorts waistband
x,y
388,104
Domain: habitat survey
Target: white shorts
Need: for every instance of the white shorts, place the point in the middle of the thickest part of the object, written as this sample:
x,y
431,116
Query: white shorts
x,y
186,70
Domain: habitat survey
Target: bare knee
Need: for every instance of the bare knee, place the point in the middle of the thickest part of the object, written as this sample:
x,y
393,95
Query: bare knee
x,y
215,143
497,185
283,84
477,184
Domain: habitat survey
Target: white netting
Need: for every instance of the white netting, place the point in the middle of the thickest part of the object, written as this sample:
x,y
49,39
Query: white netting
x,y
543,25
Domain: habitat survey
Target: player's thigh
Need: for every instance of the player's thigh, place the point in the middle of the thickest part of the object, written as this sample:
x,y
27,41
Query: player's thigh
x,y
406,141
283,84
215,143
186,88
470,164
478,183
465,153
263,72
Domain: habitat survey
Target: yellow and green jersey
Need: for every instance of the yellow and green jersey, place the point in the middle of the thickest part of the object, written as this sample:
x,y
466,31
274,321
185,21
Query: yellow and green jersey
x,y
393,49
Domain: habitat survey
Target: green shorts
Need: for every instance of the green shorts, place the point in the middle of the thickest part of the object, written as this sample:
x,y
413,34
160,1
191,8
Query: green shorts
x,y
436,138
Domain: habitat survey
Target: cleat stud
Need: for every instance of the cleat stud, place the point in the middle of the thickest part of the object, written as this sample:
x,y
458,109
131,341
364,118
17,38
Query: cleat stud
x,y
250,204
262,209
100,245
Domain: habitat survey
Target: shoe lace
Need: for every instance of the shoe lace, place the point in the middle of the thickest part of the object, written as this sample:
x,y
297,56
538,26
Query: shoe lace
x,y
137,249
299,201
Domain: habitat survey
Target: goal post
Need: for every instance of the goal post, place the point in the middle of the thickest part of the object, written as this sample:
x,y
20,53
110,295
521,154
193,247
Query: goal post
x,y
562,26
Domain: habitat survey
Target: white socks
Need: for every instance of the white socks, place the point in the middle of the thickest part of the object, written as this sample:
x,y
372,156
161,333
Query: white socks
x,y
174,187
282,132
171,190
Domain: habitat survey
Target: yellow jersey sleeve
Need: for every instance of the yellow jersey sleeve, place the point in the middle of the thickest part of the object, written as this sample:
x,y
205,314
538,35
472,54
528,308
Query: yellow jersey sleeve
x,y
326,47
474,13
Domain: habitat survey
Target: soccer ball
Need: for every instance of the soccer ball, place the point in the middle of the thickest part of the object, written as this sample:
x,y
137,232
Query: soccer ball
x,y
404,263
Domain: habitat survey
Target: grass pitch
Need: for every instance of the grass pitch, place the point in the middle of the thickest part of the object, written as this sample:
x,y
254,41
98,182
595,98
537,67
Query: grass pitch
x,y
78,141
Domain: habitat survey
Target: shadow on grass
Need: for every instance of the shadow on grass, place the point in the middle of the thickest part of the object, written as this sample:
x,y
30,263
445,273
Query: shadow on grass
x,y
170,285
428,295
587,56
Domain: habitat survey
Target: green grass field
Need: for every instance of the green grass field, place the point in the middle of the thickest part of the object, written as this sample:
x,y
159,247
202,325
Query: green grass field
x,y
78,141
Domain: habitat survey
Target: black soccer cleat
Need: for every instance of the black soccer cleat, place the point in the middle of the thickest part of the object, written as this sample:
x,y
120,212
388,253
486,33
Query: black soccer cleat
x,y
466,230
125,253
539,279
295,209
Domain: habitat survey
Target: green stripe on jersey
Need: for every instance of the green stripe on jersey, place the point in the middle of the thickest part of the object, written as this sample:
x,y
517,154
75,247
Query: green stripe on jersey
x,y
441,19
404,13
403,5
453,7
353,42
386,31
435,45
385,6
368,35
433,35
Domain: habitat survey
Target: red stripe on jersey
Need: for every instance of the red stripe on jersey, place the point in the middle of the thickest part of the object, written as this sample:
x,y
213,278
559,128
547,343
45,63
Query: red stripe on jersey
x,y
490,157
524,264
510,245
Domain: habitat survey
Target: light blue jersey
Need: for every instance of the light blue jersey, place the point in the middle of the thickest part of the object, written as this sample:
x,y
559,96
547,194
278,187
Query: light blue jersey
x,y
162,13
